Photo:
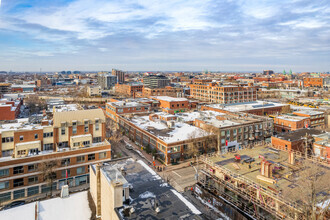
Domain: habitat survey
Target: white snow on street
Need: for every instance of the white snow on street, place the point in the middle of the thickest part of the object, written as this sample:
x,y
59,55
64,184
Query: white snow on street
x,y
186,202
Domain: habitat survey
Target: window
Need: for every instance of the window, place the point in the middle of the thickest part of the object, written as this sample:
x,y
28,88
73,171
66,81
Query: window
x,y
97,126
97,139
120,110
48,146
33,151
63,173
91,157
32,180
19,193
21,152
48,134
63,144
18,169
102,155
7,139
36,136
32,167
4,172
76,144
80,170
32,190
18,182
80,159
65,162
4,185
74,130
7,153
21,138
86,143
62,131
86,128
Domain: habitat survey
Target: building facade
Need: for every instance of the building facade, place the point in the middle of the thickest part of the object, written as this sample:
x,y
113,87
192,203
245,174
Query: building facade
x,y
155,81
119,74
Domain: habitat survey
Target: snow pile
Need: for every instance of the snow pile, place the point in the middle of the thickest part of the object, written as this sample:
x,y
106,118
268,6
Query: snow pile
x,y
164,185
146,195
155,175
25,212
214,208
187,203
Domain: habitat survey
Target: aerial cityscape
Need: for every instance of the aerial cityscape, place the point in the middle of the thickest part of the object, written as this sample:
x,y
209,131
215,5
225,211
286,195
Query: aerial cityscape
x,y
189,110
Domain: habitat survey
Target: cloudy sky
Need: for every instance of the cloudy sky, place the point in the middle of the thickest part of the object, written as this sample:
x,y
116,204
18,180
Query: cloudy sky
x,y
192,35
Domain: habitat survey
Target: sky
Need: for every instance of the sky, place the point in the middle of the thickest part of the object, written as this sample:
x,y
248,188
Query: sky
x,y
165,35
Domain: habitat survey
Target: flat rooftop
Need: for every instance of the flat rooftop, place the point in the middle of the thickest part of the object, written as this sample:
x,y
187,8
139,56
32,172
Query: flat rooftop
x,y
279,160
178,132
299,134
148,189
126,104
169,99
291,118
245,106
309,112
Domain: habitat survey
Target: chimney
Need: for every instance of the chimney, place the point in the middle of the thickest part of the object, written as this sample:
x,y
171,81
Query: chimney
x,y
266,169
291,158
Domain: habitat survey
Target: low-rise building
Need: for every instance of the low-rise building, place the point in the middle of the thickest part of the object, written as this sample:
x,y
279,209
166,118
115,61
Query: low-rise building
x,y
166,91
321,147
9,110
285,123
173,105
313,82
128,89
316,117
93,91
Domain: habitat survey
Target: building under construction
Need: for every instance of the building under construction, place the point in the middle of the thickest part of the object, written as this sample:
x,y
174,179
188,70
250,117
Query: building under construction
x,y
257,180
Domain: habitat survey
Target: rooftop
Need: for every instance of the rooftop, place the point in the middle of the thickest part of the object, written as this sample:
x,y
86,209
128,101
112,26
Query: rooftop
x,y
148,189
238,107
169,99
178,132
309,112
299,134
291,118
126,104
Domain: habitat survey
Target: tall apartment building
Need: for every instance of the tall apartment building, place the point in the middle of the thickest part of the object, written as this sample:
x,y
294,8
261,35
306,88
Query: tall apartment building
x,y
106,80
119,74
156,81
215,93
73,141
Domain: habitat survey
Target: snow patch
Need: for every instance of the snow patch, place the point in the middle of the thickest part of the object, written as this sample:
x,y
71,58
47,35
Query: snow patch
x,y
214,208
146,195
187,203
164,185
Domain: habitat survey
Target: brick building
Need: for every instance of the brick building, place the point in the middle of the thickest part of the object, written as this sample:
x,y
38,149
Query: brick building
x,y
285,123
166,91
128,89
215,93
73,141
313,82
316,117
9,110
172,105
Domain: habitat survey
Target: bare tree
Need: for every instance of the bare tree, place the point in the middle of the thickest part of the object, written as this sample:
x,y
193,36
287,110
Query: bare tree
x,y
312,190
48,172
35,104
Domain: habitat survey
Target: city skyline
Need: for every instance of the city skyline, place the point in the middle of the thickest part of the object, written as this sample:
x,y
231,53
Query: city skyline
x,y
175,35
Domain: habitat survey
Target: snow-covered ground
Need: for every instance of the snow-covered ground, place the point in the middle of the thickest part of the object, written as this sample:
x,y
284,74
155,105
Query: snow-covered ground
x,y
74,207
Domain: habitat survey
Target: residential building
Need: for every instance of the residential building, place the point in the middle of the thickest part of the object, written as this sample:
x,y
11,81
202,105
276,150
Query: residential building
x,y
9,110
155,81
166,91
5,88
173,105
129,89
225,94
120,75
73,141
106,81
93,91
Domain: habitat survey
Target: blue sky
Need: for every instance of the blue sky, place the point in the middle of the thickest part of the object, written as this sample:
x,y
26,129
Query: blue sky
x,y
192,35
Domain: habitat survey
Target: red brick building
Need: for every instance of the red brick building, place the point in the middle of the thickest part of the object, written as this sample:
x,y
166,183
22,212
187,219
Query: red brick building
x,y
313,82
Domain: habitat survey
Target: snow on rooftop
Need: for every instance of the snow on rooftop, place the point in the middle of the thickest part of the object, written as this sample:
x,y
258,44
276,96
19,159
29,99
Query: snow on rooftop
x,y
169,99
237,107
309,112
75,207
187,203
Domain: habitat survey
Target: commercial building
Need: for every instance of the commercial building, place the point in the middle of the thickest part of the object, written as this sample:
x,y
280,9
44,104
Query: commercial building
x,y
285,123
119,74
106,80
23,88
67,145
173,105
155,81
228,94
5,88
316,117
255,108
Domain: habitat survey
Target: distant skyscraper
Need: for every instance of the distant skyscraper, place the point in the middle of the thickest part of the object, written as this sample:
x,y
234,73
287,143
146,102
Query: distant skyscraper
x,y
119,74
106,81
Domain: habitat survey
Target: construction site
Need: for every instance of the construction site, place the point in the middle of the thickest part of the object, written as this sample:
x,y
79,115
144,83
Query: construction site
x,y
266,183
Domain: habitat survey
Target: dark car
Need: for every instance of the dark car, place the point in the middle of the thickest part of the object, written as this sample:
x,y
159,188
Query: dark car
x,y
14,204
